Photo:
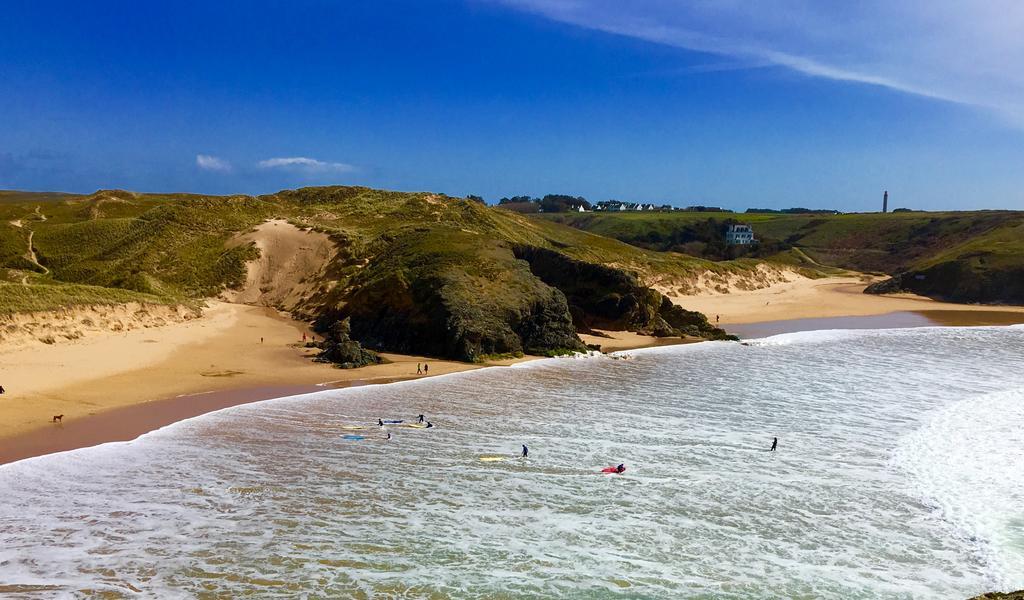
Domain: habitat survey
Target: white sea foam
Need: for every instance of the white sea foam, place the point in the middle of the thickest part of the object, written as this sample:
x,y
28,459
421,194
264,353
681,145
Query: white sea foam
x,y
967,462
860,501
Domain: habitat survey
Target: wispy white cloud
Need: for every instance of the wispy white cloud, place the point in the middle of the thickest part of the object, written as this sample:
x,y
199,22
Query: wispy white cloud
x,y
309,165
960,51
212,163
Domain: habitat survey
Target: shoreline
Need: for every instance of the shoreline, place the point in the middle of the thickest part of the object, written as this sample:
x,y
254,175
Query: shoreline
x,y
129,422
236,354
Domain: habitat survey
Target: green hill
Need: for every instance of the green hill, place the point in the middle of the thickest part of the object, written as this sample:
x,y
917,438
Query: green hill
x,y
960,256
413,272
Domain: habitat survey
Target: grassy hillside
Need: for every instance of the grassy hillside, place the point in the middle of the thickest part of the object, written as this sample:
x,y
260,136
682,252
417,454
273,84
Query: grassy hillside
x,y
414,272
965,256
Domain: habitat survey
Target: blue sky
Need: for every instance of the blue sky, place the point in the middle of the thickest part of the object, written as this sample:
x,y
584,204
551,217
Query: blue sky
x,y
740,104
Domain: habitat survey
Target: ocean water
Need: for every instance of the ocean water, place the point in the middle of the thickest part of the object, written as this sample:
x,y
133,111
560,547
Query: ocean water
x,y
899,474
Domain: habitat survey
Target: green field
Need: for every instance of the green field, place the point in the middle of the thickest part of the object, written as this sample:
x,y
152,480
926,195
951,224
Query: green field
x,y
986,247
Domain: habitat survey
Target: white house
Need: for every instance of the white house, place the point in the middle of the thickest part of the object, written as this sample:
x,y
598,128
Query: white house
x,y
739,234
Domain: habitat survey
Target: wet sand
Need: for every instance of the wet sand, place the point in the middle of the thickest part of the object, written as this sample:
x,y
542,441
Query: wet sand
x,y
129,422
893,320
615,341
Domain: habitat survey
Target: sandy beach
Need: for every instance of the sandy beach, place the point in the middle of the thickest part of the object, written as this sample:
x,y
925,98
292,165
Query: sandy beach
x,y
198,365
815,298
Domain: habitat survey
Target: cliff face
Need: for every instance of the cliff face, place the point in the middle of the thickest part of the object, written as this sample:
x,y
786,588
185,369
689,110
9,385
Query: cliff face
x,y
603,297
431,294
958,282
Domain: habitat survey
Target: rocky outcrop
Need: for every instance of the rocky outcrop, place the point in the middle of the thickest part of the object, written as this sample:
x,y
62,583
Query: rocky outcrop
x,y
958,281
339,348
433,300
602,297
1018,595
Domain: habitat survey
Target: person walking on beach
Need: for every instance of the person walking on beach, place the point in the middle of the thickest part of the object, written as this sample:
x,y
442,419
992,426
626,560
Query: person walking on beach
x,y
526,451
775,444
425,368
419,369
2,390
717,318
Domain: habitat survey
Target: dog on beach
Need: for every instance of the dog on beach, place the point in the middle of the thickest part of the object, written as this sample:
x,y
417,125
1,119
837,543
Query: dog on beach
x,y
57,419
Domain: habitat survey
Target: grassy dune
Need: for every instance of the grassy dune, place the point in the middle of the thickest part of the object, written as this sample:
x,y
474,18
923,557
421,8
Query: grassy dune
x,y
414,271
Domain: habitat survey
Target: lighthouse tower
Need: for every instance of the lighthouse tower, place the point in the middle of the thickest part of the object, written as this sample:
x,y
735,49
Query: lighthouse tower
x,y
885,201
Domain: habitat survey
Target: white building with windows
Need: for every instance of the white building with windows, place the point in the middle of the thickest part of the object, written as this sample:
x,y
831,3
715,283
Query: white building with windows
x,y
739,234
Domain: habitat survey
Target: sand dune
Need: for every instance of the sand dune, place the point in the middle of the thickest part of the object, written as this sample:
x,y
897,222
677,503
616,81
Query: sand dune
x,y
290,266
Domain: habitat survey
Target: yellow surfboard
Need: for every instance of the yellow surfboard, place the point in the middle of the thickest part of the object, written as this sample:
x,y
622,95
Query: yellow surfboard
x,y
493,458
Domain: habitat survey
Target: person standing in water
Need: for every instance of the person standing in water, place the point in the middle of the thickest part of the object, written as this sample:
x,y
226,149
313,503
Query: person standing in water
x,y
775,444
419,419
526,451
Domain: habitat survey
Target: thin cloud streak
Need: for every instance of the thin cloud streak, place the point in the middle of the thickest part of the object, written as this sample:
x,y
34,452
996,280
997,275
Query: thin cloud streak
x,y
953,50
212,163
310,165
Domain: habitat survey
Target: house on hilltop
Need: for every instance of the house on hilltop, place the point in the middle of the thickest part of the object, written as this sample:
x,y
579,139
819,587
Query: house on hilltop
x,y
739,234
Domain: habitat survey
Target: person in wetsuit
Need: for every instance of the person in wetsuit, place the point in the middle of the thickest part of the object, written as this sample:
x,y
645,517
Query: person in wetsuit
x,y
380,423
420,419
526,451
429,424
620,468
775,444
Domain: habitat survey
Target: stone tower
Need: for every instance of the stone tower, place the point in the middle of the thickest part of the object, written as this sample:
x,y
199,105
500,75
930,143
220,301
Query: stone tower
x,y
885,201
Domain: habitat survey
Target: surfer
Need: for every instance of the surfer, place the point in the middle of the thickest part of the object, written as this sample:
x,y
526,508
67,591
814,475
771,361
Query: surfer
x,y
526,451
429,424
775,444
419,419
380,422
620,468
389,436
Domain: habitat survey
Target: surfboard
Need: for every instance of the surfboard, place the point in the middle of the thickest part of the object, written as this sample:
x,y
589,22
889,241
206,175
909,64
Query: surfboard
x,y
352,437
492,458
353,427
415,425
